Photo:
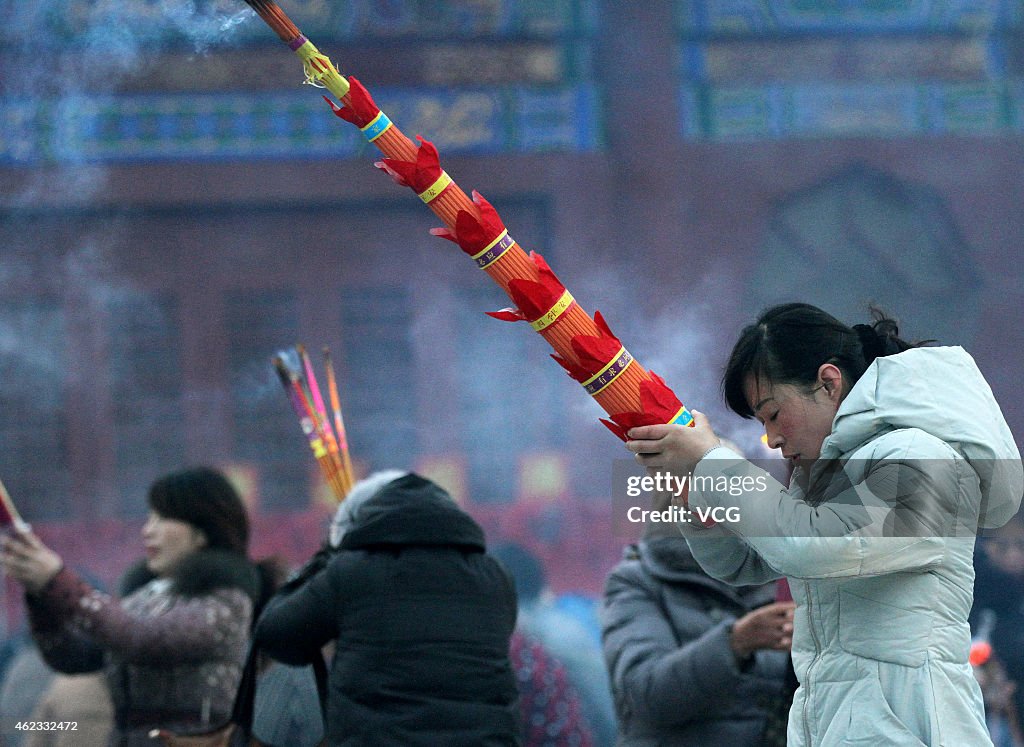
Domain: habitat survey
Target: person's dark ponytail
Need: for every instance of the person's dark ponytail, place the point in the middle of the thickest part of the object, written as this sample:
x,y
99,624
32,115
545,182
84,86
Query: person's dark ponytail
x,y
882,337
870,343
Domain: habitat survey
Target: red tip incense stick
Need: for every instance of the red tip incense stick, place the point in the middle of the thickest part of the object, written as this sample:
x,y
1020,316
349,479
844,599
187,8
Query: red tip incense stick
x,y
584,346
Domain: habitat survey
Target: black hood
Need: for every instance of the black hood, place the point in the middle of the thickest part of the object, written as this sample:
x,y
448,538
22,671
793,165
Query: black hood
x,y
413,511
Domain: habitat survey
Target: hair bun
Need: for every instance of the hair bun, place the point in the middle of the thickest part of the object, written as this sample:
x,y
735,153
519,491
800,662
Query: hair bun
x,y
870,341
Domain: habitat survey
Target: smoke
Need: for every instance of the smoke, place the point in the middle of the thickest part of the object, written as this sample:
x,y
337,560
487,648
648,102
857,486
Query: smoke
x,y
674,340
88,272
681,339
82,273
26,342
61,61
93,46
205,24
256,386
64,59
49,340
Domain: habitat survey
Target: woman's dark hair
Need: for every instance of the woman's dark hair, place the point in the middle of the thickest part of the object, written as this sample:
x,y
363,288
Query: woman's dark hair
x,y
526,569
204,498
790,342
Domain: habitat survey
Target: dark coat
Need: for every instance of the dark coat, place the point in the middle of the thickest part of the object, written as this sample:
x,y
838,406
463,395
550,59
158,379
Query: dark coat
x,y
172,649
676,681
422,619
1003,594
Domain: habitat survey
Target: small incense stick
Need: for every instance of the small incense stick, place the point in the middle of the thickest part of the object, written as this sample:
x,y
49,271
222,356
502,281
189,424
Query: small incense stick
x,y
339,423
307,402
9,515
320,411
307,421
314,389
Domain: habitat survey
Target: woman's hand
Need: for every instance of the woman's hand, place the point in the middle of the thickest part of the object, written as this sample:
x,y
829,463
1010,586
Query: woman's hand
x,y
769,627
673,448
27,560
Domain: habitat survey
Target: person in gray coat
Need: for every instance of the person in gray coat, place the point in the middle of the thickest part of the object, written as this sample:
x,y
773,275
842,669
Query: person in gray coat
x,y
693,661
900,455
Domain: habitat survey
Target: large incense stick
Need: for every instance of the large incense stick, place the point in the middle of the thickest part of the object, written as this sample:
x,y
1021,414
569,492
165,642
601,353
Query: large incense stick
x,y
585,347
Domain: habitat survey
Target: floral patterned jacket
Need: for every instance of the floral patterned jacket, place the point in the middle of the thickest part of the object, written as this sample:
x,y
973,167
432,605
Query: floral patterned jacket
x,y
172,649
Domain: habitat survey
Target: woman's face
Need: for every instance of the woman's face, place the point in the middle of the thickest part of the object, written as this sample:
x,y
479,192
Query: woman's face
x,y
168,542
795,420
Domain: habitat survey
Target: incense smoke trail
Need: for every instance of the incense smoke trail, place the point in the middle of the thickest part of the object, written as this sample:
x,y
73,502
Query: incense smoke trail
x,y
680,337
112,41
91,49
60,60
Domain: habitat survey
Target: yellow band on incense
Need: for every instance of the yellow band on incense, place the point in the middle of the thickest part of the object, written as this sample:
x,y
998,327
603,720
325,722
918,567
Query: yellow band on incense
x,y
554,313
431,192
320,69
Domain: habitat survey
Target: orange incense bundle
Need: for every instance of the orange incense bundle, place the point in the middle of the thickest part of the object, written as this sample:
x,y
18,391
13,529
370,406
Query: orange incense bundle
x,y
585,347
329,444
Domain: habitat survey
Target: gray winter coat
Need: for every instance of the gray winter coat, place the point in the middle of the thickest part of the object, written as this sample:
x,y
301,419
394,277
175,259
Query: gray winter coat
x,y
877,541
666,629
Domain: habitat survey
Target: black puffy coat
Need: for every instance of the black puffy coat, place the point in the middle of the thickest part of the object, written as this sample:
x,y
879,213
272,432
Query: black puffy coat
x,y
1002,594
422,619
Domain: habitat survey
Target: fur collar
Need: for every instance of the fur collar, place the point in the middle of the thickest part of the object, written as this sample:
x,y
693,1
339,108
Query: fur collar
x,y
200,573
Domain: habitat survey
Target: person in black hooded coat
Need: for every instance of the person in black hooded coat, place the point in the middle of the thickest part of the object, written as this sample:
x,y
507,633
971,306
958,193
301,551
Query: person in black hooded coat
x,y
421,617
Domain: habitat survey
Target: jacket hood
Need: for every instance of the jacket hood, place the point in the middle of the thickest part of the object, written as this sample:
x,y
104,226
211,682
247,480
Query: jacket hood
x,y
669,559
413,511
941,392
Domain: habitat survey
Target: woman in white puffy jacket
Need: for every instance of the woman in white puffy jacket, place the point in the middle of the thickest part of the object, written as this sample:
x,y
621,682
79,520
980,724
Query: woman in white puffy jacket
x,y
900,455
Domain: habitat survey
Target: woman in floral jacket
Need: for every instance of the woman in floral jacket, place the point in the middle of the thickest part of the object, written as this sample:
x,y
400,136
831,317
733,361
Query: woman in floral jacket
x,y
174,647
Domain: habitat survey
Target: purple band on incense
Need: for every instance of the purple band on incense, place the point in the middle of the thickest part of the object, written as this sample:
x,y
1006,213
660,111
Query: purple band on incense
x,y
495,252
599,383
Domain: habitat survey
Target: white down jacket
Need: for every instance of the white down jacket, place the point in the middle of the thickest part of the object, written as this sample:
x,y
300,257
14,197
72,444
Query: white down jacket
x,y
877,543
